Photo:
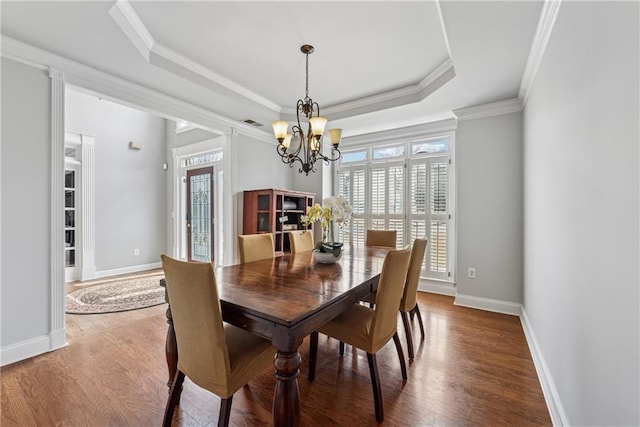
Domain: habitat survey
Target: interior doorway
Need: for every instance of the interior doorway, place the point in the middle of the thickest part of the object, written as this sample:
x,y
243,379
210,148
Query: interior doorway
x,y
200,215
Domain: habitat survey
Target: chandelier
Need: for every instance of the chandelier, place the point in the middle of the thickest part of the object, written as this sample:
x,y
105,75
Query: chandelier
x,y
309,146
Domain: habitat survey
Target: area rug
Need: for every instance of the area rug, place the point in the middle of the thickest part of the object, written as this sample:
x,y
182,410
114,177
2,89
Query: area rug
x,y
118,295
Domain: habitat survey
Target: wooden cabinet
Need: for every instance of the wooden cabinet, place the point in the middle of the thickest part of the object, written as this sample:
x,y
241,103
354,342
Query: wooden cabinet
x,y
275,211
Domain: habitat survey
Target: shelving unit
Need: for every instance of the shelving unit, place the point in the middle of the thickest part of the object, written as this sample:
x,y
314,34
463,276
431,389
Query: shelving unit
x,y
70,218
275,211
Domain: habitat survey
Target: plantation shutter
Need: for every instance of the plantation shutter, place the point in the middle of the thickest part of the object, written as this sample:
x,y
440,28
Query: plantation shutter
x,y
352,186
429,212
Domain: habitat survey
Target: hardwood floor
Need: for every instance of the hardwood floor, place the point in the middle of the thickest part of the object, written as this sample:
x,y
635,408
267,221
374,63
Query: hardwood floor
x,y
473,368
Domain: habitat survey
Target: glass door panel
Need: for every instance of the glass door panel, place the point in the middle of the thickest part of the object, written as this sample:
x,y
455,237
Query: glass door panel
x,y
200,214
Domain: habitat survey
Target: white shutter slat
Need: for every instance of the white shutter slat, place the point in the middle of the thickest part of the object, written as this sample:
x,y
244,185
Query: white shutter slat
x,y
438,247
396,190
438,184
419,189
378,191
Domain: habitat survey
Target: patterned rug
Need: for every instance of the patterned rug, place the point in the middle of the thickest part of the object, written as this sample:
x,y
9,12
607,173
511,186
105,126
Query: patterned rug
x,y
117,295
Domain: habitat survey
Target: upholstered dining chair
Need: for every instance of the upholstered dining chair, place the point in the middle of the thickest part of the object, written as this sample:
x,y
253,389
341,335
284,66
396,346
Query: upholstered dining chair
x,y
254,247
301,240
218,357
409,301
386,238
370,329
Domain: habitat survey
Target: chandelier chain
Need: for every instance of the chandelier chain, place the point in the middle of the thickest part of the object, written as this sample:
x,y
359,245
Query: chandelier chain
x,y
306,92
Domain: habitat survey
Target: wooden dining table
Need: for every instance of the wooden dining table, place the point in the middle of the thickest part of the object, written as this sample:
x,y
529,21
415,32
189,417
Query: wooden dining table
x,y
284,299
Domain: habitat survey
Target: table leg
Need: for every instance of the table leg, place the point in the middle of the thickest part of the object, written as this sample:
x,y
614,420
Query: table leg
x,y
286,400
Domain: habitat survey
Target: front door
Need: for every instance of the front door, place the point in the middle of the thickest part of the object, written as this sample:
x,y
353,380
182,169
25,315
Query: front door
x,y
200,214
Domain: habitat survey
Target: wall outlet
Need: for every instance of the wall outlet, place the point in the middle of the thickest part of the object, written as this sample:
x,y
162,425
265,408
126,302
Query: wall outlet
x,y
471,273
136,251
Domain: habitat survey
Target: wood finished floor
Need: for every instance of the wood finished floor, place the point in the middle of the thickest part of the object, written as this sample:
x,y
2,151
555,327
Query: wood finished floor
x,y
473,369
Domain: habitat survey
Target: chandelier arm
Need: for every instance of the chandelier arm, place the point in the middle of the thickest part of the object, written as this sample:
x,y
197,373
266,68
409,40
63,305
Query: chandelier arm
x,y
330,158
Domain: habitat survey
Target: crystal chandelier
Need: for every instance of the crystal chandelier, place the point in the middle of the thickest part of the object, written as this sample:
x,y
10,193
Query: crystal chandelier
x,y
309,146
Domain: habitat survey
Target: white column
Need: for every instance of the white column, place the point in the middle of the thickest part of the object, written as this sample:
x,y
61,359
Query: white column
x,y
57,335
88,208
231,197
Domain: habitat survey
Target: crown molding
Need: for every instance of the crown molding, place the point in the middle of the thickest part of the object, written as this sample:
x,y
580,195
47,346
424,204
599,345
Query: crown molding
x,y
393,98
161,56
125,92
538,46
407,133
130,23
487,110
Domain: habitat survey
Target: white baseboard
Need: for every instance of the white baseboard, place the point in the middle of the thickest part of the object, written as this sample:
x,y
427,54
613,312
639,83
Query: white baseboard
x,y
488,304
127,270
29,348
436,287
551,396
58,339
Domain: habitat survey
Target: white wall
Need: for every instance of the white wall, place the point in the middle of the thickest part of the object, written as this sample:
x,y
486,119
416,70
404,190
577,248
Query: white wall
x,y
26,189
259,166
581,282
489,207
130,189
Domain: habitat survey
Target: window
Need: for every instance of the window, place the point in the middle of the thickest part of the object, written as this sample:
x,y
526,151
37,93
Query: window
x,y
352,186
403,187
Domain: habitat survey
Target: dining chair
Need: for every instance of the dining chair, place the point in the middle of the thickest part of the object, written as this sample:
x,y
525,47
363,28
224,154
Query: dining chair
x,y
301,241
409,301
218,357
386,238
254,247
369,329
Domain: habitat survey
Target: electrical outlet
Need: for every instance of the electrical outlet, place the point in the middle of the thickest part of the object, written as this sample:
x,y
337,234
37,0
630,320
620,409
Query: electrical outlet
x,y
136,251
471,273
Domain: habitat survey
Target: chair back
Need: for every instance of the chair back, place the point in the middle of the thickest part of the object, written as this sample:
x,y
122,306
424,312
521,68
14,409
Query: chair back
x,y
388,295
197,319
254,247
385,238
301,241
409,297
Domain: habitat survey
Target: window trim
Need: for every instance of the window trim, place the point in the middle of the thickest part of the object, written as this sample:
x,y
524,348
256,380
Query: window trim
x,y
409,140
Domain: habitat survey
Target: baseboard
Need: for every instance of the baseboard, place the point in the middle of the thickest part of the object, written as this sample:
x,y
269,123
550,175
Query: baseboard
x,y
436,287
127,270
488,304
25,349
551,396
58,339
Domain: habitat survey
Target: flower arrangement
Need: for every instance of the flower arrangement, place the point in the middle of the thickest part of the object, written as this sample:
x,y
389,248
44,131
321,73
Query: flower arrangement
x,y
335,210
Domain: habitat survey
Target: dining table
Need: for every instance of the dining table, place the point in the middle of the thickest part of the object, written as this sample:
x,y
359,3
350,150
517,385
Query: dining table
x,y
284,299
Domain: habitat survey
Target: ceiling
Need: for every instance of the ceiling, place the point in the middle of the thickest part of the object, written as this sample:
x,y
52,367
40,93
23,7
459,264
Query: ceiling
x,y
376,65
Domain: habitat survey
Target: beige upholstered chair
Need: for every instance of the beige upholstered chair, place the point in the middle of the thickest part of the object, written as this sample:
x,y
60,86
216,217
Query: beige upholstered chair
x,y
301,241
218,357
386,238
409,302
254,247
370,329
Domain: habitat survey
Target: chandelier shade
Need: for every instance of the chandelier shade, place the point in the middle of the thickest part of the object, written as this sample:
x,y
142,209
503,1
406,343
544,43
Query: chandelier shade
x,y
309,145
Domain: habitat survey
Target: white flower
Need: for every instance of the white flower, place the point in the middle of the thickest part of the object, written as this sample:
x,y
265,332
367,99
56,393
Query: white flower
x,y
339,208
